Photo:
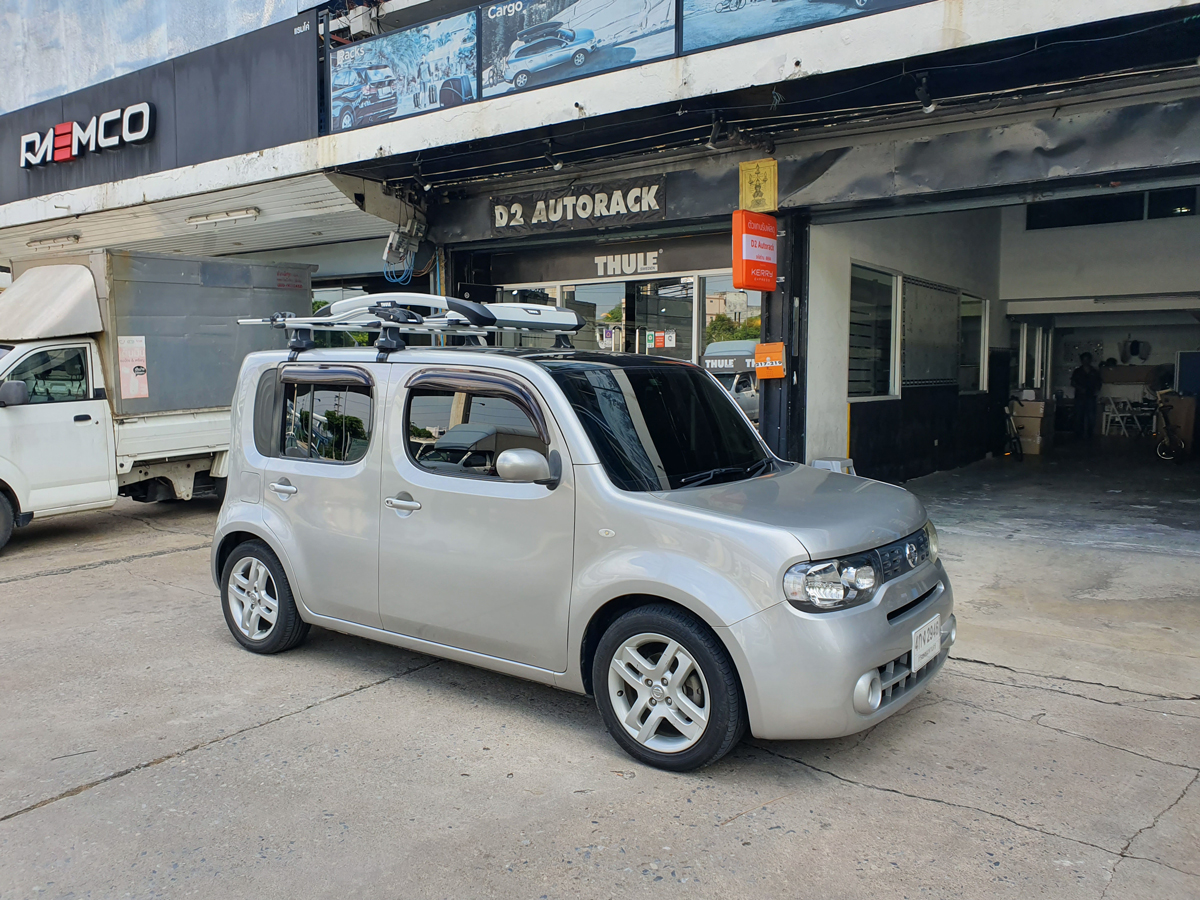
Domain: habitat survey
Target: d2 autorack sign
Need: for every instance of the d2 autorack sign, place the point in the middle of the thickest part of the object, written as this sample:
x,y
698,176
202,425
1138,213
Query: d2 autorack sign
x,y
70,140
579,206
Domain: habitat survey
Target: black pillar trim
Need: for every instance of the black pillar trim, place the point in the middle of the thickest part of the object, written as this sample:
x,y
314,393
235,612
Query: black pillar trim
x,y
785,319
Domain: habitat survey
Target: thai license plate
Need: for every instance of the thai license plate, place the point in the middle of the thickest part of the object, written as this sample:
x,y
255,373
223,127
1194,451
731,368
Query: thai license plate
x,y
927,643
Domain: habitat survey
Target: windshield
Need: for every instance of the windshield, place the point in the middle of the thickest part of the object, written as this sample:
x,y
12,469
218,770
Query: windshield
x,y
4,348
658,427
726,379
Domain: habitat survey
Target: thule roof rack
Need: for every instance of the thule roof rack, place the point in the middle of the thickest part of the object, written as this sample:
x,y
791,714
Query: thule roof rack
x,y
392,315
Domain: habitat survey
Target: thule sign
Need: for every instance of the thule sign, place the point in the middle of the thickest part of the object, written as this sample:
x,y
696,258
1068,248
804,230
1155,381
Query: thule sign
x,y
70,140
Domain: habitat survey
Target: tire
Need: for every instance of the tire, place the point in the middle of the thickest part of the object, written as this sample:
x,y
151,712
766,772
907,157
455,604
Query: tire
x,y
221,487
521,81
710,685
8,519
1167,449
1012,443
579,58
346,119
253,565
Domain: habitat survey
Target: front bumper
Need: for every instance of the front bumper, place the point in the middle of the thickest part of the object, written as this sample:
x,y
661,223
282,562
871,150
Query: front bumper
x,y
799,670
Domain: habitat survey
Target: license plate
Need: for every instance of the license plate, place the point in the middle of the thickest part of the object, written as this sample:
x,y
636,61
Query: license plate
x,y
927,643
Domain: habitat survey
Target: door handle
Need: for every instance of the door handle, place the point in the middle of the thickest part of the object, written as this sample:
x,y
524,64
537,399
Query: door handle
x,y
397,503
284,490
83,417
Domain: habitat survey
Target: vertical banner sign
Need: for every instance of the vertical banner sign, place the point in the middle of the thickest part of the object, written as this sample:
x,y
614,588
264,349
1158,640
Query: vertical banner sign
x,y
131,352
755,266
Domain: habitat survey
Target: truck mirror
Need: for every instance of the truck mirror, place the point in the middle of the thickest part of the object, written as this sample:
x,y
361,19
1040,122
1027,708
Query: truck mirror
x,y
14,393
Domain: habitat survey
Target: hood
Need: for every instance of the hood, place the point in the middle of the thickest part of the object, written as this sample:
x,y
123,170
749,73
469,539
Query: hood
x,y
830,514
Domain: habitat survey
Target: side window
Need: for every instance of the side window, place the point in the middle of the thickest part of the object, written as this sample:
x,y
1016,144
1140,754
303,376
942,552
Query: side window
x,y
462,433
330,422
54,376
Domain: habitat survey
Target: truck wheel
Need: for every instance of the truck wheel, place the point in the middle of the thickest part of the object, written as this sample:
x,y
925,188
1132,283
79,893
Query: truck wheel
x,y
7,519
667,690
220,485
257,601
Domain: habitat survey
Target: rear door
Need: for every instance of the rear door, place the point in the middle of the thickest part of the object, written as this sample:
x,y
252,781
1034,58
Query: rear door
x,y
61,442
321,485
465,559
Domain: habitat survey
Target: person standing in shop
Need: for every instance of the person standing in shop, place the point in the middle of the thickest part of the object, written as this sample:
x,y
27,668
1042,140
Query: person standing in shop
x,y
1087,383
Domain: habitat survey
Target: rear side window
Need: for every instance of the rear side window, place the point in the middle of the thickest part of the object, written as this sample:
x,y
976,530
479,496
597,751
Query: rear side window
x,y
329,422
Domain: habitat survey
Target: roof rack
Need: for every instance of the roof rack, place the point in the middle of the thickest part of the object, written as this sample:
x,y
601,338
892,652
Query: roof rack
x,y
395,314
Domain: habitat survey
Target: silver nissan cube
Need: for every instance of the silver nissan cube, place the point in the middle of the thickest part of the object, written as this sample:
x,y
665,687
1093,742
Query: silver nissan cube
x,y
609,524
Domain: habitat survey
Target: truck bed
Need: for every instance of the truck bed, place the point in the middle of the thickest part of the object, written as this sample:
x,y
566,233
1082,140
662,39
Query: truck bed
x,y
173,435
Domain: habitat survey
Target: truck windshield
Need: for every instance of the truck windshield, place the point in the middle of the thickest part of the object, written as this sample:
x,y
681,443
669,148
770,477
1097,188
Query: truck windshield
x,y
661,427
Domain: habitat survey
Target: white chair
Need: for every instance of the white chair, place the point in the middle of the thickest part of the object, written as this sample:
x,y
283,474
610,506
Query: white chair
x,y
1118,412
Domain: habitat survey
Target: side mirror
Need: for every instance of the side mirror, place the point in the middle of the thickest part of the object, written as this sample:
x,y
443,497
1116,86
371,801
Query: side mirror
x,y
14,393
523,466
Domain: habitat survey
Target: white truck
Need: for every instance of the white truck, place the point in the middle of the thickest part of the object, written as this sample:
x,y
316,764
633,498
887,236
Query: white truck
x,y
117,370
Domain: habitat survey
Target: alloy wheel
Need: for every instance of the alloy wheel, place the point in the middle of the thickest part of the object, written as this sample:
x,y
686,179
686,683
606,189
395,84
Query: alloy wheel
x,y
253,599
659,693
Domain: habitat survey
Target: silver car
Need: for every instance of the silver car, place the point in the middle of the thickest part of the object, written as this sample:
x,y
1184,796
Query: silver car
x,y
640,543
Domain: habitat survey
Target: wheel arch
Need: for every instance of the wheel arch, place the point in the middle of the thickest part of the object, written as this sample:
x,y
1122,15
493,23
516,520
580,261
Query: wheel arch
x,y
229,541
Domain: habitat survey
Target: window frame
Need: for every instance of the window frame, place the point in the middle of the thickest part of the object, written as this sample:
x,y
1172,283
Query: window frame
x,y
984,339
89,392
895,370
498,385
315,376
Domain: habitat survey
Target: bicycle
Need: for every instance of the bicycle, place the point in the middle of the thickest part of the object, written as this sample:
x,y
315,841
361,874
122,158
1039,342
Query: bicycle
x,y
730,5
1012,436
1171,446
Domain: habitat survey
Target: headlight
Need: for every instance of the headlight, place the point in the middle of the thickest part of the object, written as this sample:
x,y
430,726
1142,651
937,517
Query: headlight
x,y
931,533
833,584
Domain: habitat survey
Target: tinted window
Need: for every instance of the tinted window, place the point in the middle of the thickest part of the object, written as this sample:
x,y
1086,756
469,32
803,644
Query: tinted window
x,y
460,433
326,421
661,427
54,376
4,349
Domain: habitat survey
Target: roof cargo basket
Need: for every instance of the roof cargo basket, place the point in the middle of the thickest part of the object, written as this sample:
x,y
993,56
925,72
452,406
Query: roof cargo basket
x,y
392,315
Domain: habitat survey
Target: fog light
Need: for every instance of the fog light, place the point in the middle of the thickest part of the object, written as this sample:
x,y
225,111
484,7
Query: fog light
x,y
868,693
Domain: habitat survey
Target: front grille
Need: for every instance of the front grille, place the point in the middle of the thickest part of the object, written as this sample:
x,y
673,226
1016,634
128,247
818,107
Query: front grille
x,y
898,679
893,559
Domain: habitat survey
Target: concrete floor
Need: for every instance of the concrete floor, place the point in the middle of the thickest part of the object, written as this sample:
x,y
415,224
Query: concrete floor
x,y
144,754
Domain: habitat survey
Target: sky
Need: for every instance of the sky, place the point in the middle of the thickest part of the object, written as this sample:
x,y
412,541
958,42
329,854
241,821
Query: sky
x,y
53,47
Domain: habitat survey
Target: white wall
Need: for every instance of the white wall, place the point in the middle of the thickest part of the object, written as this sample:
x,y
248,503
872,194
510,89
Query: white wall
x,y
960,249
1159,256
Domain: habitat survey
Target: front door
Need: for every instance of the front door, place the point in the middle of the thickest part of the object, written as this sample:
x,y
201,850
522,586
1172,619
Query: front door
x,y
321,486
60,443
465,559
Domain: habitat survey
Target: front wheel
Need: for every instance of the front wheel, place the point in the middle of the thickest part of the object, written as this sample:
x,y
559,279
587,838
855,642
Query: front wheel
x,y
667,689
257,601
579,58
7,520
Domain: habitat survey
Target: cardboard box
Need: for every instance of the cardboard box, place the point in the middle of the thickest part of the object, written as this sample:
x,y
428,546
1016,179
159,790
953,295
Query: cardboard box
x,y
1033,408
1031,425
1034,446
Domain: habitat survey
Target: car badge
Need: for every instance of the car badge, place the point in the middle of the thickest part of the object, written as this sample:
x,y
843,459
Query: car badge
x,y
910,552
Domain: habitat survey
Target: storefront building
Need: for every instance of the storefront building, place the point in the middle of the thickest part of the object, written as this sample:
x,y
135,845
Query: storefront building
x,y
589,158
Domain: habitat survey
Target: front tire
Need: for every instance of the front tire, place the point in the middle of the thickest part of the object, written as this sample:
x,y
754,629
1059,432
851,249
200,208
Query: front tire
x,y
579,58
257,601
667,689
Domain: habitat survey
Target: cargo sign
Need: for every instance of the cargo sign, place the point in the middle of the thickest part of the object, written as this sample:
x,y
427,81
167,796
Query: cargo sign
x,y
70,140
755,266
578,206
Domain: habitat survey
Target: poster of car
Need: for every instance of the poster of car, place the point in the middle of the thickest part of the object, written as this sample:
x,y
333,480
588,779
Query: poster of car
x,y
530,43
418,69
711,23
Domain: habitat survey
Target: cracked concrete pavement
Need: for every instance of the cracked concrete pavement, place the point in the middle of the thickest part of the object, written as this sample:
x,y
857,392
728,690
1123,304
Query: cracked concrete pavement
x,y
145,754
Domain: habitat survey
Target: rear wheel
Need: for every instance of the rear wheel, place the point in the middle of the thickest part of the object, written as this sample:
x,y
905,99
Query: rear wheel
x,y
667,690
7,520
257,601
1169,448
521,81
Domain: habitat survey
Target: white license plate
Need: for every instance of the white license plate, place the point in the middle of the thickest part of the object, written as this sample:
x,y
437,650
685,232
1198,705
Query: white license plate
x,y
927,643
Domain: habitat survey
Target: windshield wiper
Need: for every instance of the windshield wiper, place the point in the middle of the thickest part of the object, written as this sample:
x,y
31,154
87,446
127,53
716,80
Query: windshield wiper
x,y
704,477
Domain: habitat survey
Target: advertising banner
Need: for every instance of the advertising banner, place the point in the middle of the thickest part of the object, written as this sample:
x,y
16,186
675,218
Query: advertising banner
x,y
530,43
418,69
580,206
711,23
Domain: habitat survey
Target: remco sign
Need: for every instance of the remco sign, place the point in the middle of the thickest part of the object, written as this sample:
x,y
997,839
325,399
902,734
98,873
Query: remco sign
x,y
70,140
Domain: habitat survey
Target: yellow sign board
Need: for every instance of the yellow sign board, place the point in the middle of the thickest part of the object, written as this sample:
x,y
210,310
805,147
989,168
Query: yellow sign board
x,y
759,185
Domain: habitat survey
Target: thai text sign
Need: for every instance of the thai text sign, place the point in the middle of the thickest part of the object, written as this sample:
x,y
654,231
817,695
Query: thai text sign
x,y
755,266
768,361
580,206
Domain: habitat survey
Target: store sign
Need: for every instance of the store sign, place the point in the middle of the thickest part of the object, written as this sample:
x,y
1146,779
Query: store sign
x,y
755,260
70,140
580,206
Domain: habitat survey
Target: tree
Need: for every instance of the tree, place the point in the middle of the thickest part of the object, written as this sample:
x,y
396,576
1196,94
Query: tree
x,y
750,330
721,328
